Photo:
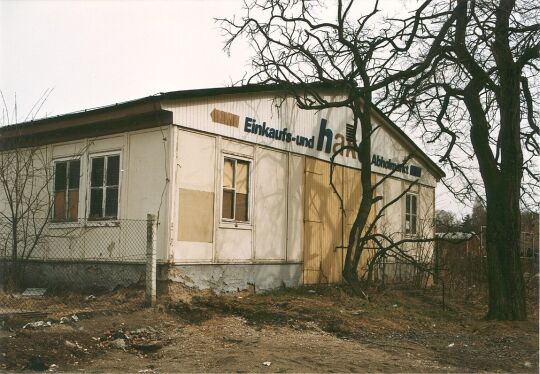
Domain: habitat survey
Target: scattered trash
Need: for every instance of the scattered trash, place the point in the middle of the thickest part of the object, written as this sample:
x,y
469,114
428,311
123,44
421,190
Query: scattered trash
x,y
119,343
70,344
267,363
35,325
357,312
312,291
34,292
89,298
73,345
527,364
451,345
395,305
53,367
64,320
75,318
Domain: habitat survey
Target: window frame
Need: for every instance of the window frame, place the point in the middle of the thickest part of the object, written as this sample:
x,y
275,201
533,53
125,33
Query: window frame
x,y
91,157
228,222
66,221
412,215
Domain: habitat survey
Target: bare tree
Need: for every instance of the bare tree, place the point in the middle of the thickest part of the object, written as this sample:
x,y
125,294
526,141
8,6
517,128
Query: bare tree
x,y
479,101
307,49
25,196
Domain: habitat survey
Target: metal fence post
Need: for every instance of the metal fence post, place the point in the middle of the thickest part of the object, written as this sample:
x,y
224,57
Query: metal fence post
x,y
151,239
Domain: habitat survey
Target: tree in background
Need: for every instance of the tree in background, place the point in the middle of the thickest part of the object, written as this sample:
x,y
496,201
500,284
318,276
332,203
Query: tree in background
x,y
479,101
445,221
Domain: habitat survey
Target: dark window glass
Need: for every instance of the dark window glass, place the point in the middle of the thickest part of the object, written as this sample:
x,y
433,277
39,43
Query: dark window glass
x,y
113,169
59,205
96,203
60,176
74,173
410,213
235,189
73,205
105,178
66,190
241,207
228,204
111,202
98,165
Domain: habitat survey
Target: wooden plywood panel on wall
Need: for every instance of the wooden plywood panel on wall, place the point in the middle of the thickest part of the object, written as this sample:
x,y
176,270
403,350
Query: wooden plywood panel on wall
x,y
322,227
196,216
326,228
332,257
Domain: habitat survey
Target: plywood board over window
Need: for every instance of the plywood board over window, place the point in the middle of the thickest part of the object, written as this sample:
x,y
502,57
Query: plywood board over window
x,y
196,216
322,229
326,229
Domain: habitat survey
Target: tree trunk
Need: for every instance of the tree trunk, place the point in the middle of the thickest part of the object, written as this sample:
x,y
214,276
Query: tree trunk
x,y
506,285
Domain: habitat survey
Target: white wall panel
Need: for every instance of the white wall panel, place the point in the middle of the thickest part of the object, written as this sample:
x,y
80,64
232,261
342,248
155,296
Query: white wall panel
x,y
270,206
196,171
295,208
196,163
145,168
105,144
233,244
184,251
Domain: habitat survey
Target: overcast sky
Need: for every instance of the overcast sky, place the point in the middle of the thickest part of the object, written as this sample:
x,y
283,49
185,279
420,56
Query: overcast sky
x,y
95,53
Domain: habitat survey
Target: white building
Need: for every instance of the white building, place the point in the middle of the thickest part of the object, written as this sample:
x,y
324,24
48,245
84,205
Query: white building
x,y
240,182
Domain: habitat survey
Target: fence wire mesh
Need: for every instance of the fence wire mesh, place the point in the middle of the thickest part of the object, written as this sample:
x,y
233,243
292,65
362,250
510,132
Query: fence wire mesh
x,y
40,259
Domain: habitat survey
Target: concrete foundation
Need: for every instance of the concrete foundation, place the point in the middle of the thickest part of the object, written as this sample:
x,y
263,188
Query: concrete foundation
x,y
236,277
80,276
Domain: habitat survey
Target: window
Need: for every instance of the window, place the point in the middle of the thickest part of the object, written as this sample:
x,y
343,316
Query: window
x,y
104,183
66,190
235,190
410,214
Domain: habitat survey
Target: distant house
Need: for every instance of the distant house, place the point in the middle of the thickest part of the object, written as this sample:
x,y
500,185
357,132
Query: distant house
x,y
240,183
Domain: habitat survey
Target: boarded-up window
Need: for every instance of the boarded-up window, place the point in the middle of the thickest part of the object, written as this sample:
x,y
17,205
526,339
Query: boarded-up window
x,y
410,214
235,198
104,185
66,190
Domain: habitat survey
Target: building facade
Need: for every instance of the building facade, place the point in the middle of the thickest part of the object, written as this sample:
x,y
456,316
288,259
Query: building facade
x,y
238,177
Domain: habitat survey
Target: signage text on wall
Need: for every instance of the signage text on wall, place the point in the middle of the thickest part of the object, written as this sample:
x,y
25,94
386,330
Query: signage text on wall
x,y
325,141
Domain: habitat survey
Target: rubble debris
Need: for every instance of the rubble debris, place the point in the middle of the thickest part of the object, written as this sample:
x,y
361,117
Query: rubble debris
x,y
35,325
34,292
119,343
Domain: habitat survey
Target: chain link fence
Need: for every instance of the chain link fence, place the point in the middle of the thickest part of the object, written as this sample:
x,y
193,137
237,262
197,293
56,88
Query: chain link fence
x,y
44,262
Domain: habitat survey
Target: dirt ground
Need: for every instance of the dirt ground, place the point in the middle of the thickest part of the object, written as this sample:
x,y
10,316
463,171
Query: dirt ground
x,y
324,329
